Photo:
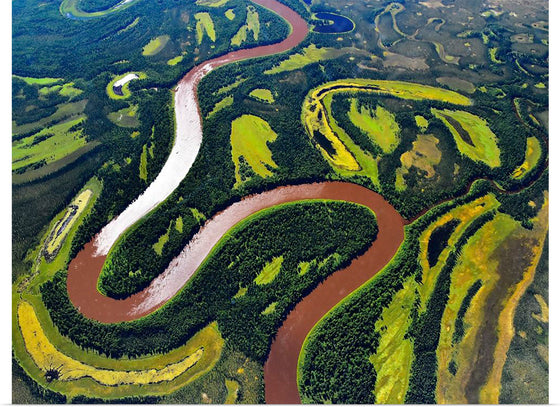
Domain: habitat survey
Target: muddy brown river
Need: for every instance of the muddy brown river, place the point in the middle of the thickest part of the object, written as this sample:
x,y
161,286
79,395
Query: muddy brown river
x,y
281,367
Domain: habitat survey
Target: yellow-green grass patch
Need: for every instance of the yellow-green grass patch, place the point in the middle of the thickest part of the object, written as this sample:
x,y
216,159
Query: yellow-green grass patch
x,y
394,354
269,271
250,136
62,111
264,95
251,25
540,85
42,269
379,125
472,135
479,261
211,3
64,225
533,153
175,61
143,170
490,391
424,155
449,59
465,214
231,86
163,239
241,292
179,224
232,387
38,81
303,267
51,144
199,216
492,52
155,45
543,316
204,24
130,26
270,308
225,102
36,346
400,89
67,90
421,122
310,55
125,117
109,89
230,14
334,144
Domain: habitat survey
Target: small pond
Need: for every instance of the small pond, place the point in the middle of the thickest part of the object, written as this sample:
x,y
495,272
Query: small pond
x,y
332,23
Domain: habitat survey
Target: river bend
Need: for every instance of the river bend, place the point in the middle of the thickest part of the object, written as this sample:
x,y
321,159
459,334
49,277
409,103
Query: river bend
x,y
281,367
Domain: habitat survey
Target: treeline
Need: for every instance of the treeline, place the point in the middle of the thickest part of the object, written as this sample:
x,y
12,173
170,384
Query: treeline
x,y
335,364
331,233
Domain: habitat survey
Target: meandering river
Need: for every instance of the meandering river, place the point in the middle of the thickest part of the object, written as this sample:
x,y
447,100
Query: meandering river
x,y
281,367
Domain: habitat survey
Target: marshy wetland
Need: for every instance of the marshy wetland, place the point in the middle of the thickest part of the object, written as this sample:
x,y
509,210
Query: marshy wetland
x,y
238,201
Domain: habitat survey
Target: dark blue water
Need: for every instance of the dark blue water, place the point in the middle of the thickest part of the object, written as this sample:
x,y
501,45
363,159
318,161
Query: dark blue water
x,y
340,24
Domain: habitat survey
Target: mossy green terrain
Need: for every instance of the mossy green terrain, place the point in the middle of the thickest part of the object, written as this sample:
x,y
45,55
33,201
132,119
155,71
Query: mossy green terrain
x,y
211,3
393,358
264,95
204,26
250,136
175,61
155,45
312,54
269,271
230,14
64,225
533,154
424,155
225,102
126,117
39,81
67,90
252,25
143,169
50,144
473,136
63,111
379,125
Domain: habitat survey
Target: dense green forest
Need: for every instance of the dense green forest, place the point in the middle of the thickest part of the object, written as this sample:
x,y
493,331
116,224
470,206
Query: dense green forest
x,y
316,232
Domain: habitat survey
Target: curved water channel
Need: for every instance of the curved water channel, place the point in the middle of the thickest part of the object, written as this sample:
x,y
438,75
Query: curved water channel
x,y
281,367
